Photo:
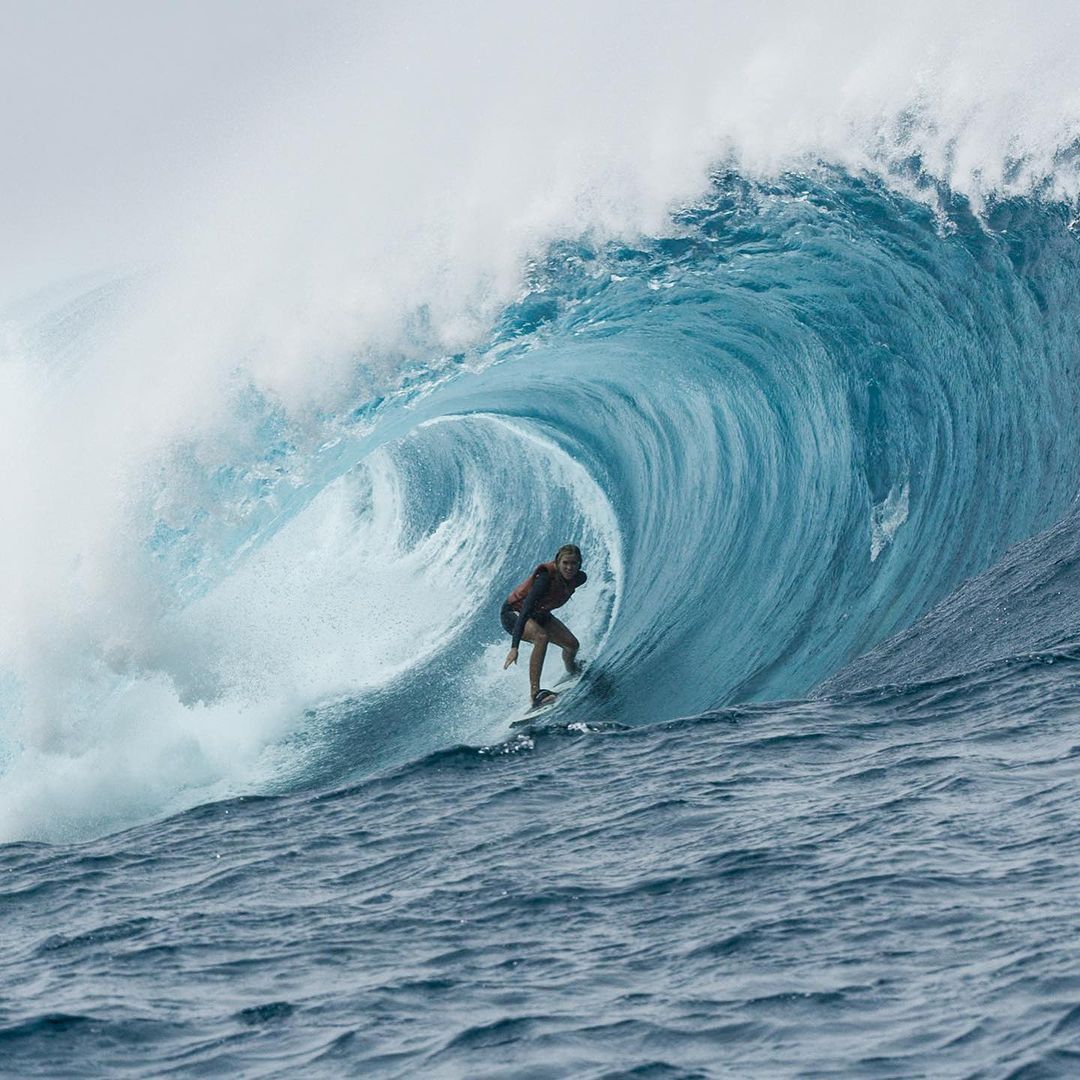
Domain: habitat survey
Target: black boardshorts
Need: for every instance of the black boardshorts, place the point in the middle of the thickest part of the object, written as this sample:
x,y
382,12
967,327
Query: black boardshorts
x,y
509,617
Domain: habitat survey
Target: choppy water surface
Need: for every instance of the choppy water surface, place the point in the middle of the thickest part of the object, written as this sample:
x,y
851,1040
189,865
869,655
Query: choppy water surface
x,y
883,884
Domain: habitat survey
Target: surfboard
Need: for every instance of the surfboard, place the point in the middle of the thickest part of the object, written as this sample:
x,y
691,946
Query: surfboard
x,y
537,710
567,683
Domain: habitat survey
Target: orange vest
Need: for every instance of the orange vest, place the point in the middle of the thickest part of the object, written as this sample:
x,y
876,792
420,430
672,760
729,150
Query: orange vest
x,y
559,590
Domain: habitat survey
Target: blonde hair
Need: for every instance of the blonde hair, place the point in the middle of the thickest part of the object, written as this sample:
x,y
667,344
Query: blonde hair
x,y
568,549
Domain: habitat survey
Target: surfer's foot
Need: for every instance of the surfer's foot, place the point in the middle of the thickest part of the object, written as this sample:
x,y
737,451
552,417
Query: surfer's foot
x,y
573,667
542,697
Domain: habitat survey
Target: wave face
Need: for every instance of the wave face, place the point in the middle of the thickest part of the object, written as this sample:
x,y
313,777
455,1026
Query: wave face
x,y
785,342
780,433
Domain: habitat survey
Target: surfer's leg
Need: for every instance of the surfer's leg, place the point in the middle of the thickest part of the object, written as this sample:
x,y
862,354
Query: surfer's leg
x,y
560,635
538,636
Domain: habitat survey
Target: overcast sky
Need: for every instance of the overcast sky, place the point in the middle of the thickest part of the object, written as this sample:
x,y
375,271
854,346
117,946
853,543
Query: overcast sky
x,y
108,108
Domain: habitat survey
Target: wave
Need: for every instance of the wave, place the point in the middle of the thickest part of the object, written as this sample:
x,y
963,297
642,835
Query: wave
x,y
783,420
779,436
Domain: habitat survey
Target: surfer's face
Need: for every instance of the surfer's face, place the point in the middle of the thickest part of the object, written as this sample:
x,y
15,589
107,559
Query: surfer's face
x,y
568,566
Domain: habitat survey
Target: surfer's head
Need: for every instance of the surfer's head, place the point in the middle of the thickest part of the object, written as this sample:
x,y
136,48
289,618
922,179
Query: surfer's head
x,y
568,560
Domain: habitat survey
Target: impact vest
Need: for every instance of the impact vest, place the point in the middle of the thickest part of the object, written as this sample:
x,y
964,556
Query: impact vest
x,y
558,590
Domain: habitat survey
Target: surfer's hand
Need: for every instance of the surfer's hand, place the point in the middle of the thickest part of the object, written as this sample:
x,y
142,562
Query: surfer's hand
x,y
511,658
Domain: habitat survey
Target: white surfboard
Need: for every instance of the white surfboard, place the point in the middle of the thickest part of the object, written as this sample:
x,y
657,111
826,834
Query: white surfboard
x,y
565,685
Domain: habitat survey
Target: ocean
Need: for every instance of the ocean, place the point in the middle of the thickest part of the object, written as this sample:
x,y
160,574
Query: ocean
x,y
809,406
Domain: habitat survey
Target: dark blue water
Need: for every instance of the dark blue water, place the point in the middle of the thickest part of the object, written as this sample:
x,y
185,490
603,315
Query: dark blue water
x,y
811,811
882,884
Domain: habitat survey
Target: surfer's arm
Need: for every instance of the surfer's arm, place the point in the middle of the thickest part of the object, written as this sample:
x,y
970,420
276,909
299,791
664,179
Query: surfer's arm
x,y
539,587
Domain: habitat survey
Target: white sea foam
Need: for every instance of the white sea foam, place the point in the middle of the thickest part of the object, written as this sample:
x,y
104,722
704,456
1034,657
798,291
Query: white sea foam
x,y
887,516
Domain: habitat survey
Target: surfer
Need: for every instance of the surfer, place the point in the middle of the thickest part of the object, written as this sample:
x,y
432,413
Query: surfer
x,y
527,614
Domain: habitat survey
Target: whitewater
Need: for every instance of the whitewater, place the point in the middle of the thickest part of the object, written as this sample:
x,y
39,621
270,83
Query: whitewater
x,y
773,312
